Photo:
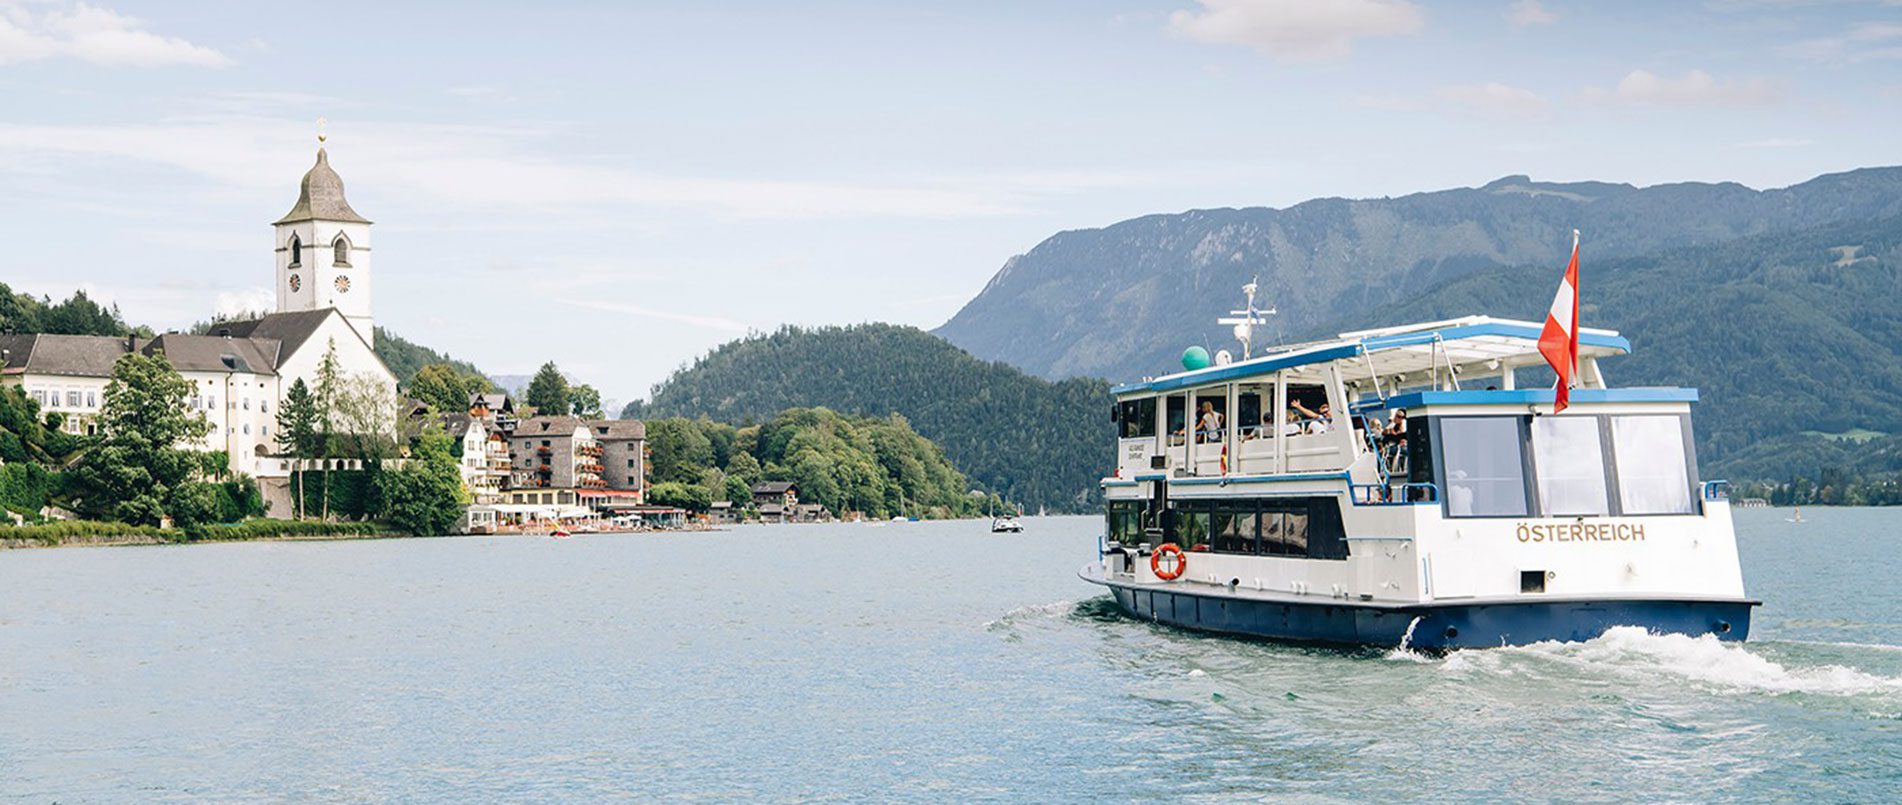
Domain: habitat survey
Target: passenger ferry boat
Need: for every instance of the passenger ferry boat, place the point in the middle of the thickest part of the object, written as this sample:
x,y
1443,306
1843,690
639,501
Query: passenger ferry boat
x,y
1423,499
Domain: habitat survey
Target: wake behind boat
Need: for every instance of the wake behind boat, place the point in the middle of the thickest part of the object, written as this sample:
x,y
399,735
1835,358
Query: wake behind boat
x,y
1409,493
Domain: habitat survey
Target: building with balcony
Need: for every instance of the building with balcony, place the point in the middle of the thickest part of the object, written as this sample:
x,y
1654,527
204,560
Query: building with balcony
x,y
555,452
623,454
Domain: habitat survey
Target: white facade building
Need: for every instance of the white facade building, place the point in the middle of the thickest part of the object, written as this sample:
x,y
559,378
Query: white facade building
x,y
241,370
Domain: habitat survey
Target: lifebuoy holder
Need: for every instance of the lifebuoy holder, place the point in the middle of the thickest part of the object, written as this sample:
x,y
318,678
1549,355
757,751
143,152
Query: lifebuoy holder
x,y
1181,562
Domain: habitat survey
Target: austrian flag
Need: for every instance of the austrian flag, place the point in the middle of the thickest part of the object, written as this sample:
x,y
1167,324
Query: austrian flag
x,y
1558,342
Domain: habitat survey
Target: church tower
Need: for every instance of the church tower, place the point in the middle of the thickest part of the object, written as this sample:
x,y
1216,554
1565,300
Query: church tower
x,y
323,252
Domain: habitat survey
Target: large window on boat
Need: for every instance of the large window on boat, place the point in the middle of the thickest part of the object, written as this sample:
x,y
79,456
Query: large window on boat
x,y
1136,419
1125,521
1483,465
1304,527
1570,465
1653,467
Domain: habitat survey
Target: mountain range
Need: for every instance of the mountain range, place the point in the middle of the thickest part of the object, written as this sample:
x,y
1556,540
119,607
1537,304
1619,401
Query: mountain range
x,y
1124,300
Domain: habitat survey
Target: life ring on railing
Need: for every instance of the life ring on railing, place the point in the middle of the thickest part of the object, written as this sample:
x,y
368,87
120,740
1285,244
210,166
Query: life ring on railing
x,y
1181,563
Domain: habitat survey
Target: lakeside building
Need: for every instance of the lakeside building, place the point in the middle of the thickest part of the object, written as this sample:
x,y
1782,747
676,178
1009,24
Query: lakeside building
x,y
241,369
484,465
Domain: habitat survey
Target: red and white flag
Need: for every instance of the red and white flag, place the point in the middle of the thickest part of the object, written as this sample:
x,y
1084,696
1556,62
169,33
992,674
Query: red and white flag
x,y
1558,342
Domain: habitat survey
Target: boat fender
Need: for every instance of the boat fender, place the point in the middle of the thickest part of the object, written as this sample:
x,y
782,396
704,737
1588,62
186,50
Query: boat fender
x,y
1181,562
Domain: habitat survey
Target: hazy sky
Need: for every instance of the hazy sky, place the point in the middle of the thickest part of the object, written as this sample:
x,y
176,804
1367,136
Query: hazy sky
x,y
621,186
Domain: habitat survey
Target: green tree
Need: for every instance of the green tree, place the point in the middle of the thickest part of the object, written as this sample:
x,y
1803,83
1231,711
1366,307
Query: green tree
x,y
138,465
677,451
425,497
297,433
548,392
444,388
739,492
691,497
585,402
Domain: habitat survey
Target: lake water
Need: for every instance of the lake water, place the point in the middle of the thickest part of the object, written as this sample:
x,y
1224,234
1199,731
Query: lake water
x,y
928,661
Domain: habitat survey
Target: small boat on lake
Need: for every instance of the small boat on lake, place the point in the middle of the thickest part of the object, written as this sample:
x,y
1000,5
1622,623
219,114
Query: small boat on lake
x,y
1397,487
1007,525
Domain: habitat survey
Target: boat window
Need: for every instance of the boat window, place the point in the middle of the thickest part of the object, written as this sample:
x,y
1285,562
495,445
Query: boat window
x,y
1137,418
1178,417
1484,466
1192,528
1235,529
1124,521
1211,416
1304,408
1653,472
1569,462
1248,410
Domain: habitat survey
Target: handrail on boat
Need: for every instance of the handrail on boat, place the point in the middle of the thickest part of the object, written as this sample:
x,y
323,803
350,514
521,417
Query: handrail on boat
x,y
1381,494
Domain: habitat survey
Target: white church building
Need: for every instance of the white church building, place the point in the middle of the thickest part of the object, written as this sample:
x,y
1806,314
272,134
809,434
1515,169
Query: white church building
x,y
241,368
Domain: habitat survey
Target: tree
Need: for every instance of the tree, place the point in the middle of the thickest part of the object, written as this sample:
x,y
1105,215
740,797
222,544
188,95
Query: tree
x,y
585,402
134,472
677,451
738,492
548,393
425,497
691,497
445,387
297,432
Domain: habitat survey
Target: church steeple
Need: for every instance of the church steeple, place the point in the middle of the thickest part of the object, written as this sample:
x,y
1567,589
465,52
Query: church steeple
x,y
321,196
323,251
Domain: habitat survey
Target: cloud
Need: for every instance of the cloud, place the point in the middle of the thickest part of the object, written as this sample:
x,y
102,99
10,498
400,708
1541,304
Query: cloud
x,y
1529,12
1869,41
1296,30
709,322
491,167
1494,98
229,304
1695,88
1776,142
92,34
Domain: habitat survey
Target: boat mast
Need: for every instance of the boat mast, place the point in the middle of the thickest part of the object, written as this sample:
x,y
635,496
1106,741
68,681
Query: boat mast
x,y
1247,319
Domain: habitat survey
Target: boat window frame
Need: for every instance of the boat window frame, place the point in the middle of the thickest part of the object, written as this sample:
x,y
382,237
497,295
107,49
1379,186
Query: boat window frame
x,y
1528,492
1435,447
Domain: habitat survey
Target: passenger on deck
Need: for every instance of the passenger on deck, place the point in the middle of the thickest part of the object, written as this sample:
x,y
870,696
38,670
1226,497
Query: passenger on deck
x,y
1208,427
1293,425
1317,420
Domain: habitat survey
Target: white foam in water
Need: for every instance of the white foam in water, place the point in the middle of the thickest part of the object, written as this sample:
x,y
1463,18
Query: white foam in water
x,y
1032,611
1631,650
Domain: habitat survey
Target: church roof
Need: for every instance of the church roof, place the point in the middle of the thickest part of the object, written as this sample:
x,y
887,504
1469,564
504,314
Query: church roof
x,y
211,353
321,197
290,329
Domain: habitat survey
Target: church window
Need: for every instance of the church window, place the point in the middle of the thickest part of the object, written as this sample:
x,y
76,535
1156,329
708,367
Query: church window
x,y
340,251
296,247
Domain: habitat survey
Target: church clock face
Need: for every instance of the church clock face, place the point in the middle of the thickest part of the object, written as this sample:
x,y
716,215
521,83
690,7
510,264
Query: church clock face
x,y
343,285
296,283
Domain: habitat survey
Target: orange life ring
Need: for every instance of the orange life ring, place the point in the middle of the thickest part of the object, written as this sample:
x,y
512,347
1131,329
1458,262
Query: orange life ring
x,y
1155,562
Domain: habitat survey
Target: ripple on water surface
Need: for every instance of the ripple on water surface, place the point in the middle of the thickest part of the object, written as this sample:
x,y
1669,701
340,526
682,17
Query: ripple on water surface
x,y
911,661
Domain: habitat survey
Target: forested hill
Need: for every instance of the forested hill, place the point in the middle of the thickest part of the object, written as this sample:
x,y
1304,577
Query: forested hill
x,y
1032,441
1794,340
1122,301
404,357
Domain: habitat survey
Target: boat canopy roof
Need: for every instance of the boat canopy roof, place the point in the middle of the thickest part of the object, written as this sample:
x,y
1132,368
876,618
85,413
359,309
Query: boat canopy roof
x,y
1474,345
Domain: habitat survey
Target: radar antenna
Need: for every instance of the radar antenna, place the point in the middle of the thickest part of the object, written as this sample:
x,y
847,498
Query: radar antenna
x,y
1247,319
